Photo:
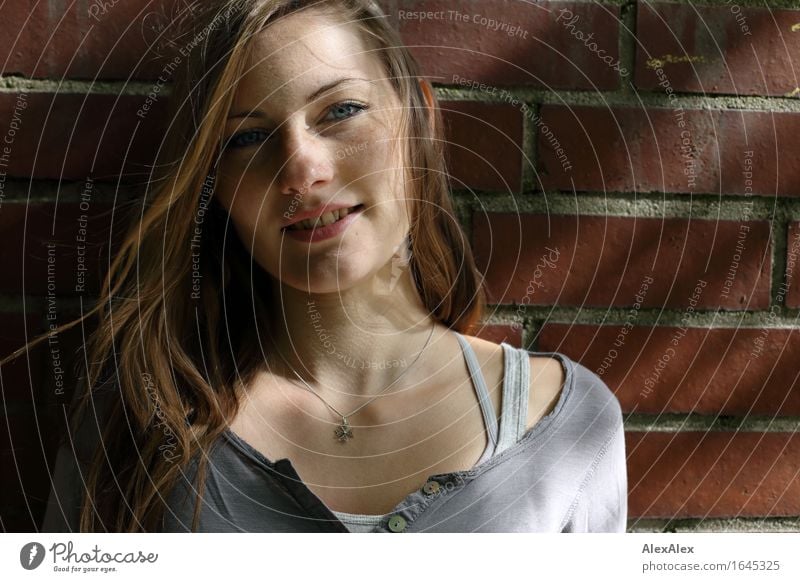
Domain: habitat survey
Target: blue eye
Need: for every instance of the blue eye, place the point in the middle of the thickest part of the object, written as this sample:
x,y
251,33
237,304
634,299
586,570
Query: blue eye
x,y
343,107
252,137
247,138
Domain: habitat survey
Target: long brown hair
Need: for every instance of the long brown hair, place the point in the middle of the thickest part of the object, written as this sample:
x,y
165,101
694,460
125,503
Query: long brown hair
x,y
177,366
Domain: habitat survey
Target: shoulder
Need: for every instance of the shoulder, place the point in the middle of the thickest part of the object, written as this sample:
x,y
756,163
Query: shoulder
x,y
546,387
593,405
491,363
547,377
595,391
552,373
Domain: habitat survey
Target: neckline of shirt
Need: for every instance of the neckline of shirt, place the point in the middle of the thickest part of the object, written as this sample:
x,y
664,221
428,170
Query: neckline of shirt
x,y
464,475
360,518
491,445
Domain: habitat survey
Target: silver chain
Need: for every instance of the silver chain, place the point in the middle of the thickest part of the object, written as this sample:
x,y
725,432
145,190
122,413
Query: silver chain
x,y
344,432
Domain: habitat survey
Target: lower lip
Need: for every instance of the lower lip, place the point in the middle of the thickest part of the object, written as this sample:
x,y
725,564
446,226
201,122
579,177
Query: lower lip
x,y
324,232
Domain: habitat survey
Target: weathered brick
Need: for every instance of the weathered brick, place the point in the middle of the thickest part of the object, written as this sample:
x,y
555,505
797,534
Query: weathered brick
x,y
713,474
676,369
669,150
34,268
81,40
793,265
498,333
603,261
484,145
69,136
733,49
545,50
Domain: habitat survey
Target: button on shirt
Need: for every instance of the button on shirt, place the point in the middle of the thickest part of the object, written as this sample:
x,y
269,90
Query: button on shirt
x,y
565,474
396,523
431,487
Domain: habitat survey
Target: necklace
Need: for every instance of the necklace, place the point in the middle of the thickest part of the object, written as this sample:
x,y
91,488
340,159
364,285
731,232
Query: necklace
x,y
344,431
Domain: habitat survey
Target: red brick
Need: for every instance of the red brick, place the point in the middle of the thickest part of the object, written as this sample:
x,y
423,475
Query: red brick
x,y
724,371
484,145
70,136
625,149
21,378
74,40
792,280
549,55
498,333
29,229
713,474
704,49
603,261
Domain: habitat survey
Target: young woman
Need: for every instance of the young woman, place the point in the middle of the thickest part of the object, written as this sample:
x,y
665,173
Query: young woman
x,y
284,332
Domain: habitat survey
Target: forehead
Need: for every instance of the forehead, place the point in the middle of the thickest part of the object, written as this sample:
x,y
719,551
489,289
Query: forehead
x,y
296,54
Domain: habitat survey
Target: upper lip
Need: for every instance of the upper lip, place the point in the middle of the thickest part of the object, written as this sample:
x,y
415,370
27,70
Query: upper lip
x,y
315,213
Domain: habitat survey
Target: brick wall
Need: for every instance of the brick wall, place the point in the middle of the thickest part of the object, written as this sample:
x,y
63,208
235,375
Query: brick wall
x,y
625,171
636,209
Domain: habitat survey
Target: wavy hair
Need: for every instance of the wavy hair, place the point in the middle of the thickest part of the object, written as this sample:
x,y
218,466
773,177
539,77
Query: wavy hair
x,y
173,366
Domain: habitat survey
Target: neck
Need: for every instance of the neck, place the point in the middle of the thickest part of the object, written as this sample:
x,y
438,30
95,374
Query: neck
x,y
351,344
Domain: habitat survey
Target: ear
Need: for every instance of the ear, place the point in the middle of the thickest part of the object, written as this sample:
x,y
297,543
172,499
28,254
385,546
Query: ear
x,y
427,91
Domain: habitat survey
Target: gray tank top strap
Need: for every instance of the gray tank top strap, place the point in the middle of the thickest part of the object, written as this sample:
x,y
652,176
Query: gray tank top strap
x,y
489,416
516,388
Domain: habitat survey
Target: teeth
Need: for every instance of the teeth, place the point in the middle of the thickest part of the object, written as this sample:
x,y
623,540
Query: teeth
x,y
324,220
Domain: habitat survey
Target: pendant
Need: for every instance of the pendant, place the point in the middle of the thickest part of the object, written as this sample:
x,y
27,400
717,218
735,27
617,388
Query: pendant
x,y
343,431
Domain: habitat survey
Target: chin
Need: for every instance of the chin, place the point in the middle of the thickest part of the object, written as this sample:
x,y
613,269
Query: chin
x,y
326,281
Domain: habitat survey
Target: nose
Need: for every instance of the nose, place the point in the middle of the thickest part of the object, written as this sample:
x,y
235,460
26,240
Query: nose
x,y
307,163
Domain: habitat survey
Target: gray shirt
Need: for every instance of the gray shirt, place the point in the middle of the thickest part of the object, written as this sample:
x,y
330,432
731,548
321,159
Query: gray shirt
x,y
565,474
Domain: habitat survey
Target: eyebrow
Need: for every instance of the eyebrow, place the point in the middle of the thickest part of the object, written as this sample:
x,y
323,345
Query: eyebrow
x,y
311,97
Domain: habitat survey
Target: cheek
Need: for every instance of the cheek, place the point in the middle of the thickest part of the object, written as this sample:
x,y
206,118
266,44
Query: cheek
x,y
245,211
376,171
227,183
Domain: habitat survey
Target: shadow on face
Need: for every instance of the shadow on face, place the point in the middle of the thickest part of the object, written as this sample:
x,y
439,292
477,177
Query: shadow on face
x,y
314,123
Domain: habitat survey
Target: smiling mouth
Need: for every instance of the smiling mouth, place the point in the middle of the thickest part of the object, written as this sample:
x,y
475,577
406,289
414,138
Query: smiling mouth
x,y
325,219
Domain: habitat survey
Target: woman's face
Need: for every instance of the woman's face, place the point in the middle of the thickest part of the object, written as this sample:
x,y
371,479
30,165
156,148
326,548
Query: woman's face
x,y
312,125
